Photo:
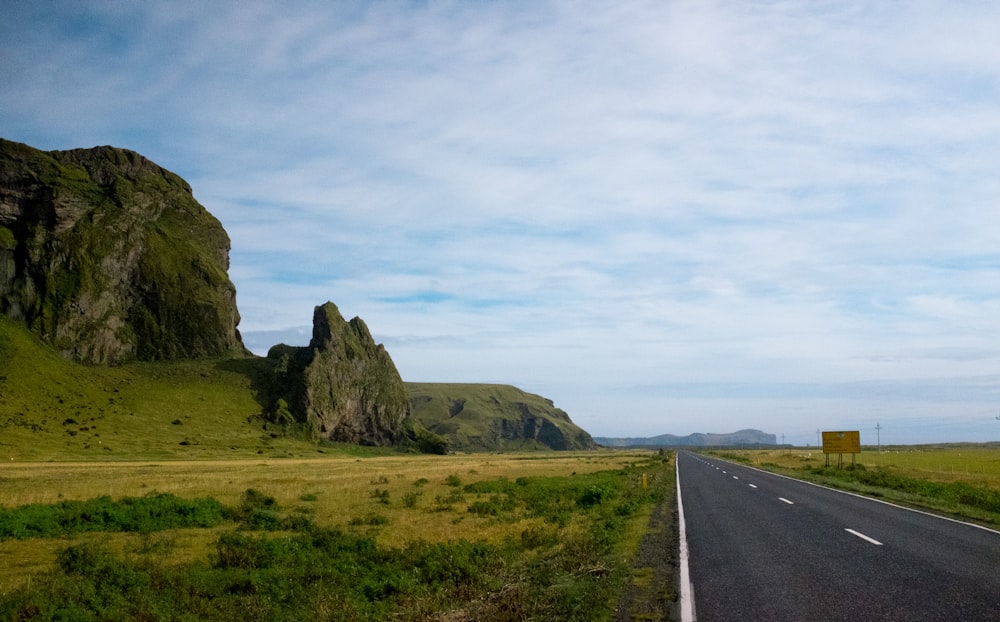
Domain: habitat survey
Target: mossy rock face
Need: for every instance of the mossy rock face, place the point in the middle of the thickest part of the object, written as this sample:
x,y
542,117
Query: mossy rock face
x,y
492,417
343,385
108,257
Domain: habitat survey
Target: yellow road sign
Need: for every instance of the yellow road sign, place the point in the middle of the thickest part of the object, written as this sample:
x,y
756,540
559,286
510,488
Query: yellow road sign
x,y
844,442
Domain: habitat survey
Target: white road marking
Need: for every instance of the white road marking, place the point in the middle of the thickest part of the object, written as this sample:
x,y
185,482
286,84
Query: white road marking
x,y
734,477
753,485
863,537
874,500
786,501
687,590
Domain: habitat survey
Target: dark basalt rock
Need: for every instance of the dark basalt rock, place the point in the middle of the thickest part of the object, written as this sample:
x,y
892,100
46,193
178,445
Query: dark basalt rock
x,y
108,257
343,385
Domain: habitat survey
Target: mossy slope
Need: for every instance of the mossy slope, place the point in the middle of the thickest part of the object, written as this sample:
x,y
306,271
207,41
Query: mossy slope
x,y
476,417
55,409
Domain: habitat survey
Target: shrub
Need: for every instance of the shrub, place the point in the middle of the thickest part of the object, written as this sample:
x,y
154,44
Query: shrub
x,y
494,506
154,512
374,520
595,495
410,499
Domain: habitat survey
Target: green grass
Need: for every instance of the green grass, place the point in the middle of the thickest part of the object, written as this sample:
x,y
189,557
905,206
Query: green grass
x,y
156,512
52,409
568,556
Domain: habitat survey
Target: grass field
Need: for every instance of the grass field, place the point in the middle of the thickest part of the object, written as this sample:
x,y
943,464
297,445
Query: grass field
x,y
960,479
947,463
529,508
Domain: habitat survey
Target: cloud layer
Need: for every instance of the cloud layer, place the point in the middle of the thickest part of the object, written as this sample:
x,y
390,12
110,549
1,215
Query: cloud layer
x,y
665,216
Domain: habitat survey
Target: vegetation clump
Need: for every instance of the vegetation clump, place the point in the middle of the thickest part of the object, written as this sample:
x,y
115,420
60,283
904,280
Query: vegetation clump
x,y
154,512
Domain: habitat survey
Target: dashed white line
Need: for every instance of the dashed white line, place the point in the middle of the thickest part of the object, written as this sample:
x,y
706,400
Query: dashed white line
x,y
753,485
734,477
786,501
863,537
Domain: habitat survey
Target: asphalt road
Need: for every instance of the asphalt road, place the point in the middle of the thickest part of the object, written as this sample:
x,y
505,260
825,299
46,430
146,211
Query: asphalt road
x,y
766,548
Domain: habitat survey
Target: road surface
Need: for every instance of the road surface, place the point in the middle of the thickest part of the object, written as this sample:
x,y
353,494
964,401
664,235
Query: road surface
x,y
763,547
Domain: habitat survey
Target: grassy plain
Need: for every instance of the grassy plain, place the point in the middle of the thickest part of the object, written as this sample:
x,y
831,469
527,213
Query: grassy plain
x,y
394,500
959,479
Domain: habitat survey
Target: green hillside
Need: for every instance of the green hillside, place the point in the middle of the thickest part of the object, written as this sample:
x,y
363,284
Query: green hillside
x,y
52,409
477,417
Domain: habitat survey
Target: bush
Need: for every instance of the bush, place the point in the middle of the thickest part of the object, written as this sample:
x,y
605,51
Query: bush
x,y
154,512
494,506
595,495
374,520
410,499
382,496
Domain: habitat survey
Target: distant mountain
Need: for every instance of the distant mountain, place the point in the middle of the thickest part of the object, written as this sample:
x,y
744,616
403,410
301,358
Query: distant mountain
x,y
742,437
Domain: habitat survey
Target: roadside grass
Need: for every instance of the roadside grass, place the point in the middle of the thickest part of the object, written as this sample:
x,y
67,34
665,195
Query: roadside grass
x,y
960,480
485,537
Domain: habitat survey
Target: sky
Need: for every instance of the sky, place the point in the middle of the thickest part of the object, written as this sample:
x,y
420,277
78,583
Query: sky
x,y
666,217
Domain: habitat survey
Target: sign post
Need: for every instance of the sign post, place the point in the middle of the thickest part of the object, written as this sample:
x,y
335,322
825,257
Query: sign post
x,y
840,443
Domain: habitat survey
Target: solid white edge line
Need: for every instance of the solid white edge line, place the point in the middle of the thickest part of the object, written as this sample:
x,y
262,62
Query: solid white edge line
x,y
687,602
860,496
863,536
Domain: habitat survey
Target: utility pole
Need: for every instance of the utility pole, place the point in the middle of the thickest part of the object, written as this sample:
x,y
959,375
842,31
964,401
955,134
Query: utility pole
x,y
878,435
818,442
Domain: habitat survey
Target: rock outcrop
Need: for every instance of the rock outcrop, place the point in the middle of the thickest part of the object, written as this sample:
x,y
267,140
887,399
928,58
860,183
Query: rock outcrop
x,y
108,257
343,386
477,417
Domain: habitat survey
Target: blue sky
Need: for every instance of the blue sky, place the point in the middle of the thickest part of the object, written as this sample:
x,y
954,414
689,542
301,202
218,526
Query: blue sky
x,y
667,217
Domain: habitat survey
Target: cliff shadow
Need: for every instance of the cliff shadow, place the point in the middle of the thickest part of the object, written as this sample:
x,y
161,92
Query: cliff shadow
x,y
260,372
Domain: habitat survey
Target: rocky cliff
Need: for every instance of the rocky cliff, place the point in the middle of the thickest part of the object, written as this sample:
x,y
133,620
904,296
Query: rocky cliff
x,y
343,386
476,417
108,257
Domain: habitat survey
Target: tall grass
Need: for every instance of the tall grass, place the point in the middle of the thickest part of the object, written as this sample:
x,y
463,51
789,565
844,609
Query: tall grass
x,y
520,544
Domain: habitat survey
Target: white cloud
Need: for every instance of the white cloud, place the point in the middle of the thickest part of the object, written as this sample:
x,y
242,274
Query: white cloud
x,y
571,196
